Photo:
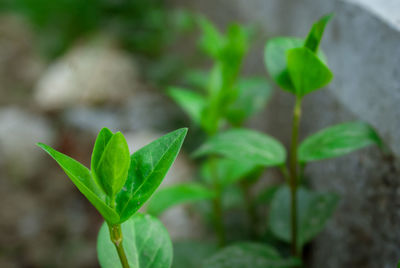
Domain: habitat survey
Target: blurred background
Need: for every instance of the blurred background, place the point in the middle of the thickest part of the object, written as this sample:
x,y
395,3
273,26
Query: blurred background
x,y
70,67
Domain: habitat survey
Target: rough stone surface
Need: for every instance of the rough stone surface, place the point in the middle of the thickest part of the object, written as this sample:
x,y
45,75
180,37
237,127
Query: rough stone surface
x,y
362,47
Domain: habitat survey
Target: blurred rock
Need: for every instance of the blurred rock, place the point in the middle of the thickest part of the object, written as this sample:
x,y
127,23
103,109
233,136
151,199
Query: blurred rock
x,y
93,72
147,109
20,66
179,221
19,132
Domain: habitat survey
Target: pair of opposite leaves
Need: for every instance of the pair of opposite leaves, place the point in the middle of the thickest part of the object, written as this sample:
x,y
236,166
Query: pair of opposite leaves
x,y
119,183
296,65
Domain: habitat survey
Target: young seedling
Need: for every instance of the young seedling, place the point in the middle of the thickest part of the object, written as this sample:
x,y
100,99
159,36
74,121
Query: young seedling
x,y
296,214
117,185
222,99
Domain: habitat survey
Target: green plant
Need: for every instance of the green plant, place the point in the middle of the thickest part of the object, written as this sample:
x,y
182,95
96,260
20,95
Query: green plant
x,y
296,214
117,185
221,99
144,26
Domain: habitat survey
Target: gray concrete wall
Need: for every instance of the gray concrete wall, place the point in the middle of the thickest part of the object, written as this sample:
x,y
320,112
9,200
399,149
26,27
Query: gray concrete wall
x,y
363,48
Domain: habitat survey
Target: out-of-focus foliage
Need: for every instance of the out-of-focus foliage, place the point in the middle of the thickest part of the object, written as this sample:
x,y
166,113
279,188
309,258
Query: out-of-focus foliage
x,y
246,146
314,209
220,95
249,254
144,26
338,140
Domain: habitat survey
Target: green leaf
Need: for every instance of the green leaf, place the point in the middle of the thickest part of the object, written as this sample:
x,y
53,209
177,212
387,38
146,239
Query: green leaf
x,y
234,49
315,35
276,60
249,254
307,71
313,211
245,145
111,169
338,140
191,254
145,240
196,78
211,41
192,103
83,180
178,194
102,140
226,171
253,94
149,166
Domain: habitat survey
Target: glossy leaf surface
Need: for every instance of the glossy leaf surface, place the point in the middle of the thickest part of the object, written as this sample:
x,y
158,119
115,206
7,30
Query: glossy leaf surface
x,y
83,180
178,194
313,211
248,254
307,72
337,140
245,145
102,140
191,102
145,240
149,165
111,170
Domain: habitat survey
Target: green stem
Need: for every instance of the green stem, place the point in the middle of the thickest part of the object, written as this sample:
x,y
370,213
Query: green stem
x,y
116,238
250,209
217,206
293,170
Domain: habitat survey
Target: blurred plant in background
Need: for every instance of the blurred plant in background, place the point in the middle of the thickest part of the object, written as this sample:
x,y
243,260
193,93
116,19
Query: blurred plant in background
x,y
217,100
144,27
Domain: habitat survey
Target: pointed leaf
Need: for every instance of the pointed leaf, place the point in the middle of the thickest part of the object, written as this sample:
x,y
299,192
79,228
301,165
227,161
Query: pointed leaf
x,y
112,168
145,240
83,180
338,140
313,211
315,35
191,102
102,140
178,194
149,166
307,71
249,254
211,41
245,145
276,60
